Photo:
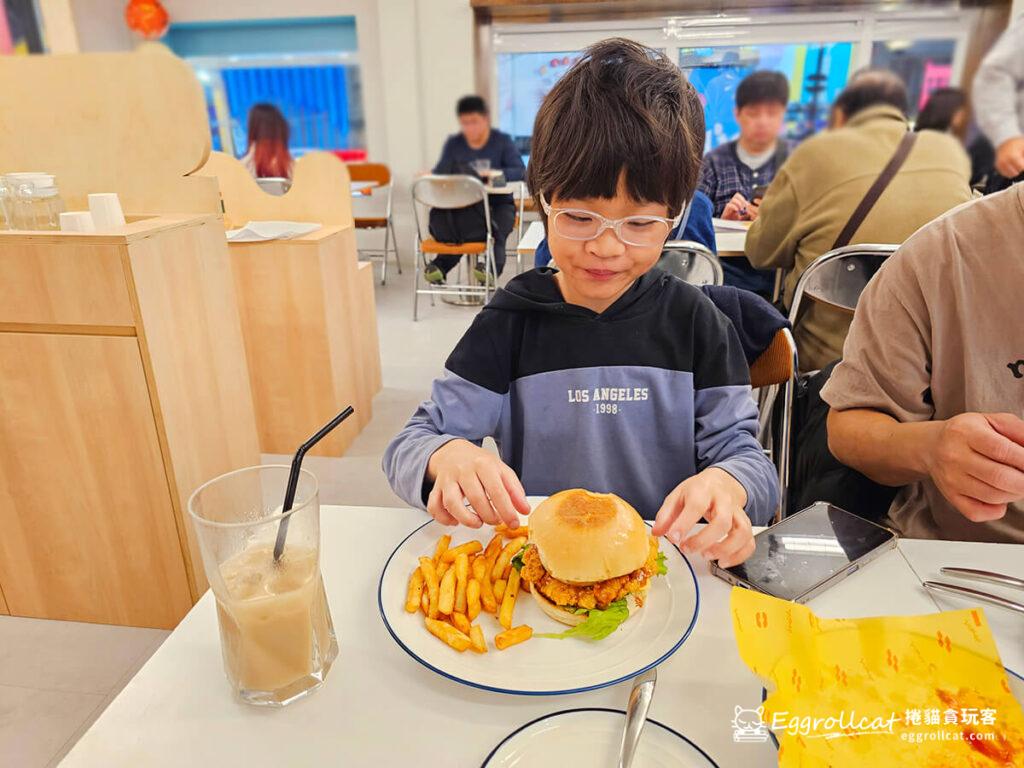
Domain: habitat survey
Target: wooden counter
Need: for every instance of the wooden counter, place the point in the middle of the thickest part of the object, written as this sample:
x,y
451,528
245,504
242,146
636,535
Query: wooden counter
x,y
310,327
123,386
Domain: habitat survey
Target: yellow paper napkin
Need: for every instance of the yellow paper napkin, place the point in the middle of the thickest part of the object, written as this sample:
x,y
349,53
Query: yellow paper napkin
x,y
925,691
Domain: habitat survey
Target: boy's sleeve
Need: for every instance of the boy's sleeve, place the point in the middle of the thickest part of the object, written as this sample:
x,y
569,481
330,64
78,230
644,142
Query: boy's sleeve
x,y
466,402
725,415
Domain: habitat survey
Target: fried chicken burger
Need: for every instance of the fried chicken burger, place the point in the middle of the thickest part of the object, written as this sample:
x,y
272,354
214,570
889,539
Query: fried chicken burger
x,y
586,552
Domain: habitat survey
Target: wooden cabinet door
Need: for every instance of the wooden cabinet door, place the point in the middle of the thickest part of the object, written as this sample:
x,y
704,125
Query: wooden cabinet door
x,y
88,530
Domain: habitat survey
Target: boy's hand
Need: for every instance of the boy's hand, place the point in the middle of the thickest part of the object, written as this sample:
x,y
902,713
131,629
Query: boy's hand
x,y
463,472
717,496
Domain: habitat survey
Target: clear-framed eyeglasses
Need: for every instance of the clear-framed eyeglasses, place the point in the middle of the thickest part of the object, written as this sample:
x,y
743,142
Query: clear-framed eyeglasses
x,y
579,224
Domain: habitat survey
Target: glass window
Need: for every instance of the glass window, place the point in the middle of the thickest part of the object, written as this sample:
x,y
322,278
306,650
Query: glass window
x,y
524,79
924,65
816,73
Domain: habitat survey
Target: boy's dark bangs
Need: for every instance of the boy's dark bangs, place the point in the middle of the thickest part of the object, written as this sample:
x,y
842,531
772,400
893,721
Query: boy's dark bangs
x,y
622,111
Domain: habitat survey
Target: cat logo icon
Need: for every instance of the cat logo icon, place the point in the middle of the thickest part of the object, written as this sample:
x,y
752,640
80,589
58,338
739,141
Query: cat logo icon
x,y
747,726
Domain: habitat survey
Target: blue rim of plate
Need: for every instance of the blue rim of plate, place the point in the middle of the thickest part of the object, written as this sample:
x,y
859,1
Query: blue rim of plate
x,y
471,684
542,718
775,741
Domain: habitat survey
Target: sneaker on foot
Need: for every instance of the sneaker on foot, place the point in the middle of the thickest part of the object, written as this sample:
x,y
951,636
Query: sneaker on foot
x,y
433,274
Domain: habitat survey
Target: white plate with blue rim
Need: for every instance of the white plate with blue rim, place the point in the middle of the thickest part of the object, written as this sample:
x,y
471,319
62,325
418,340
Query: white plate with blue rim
x,y
541,666
591,736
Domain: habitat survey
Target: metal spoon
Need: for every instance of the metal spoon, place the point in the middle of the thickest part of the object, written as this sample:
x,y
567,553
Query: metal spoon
x,y
636,714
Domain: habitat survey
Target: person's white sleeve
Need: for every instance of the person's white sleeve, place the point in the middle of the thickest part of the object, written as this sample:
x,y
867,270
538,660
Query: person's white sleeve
x,y
999,87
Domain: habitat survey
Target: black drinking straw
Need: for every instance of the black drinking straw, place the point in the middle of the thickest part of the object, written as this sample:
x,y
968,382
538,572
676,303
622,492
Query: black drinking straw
x,y
293,477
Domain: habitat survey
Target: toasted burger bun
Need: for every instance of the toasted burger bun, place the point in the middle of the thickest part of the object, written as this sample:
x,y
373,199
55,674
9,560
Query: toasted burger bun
x,y
572,619
583,537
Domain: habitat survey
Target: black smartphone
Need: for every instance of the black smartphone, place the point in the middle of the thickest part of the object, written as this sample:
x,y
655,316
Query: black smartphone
x,y
807,552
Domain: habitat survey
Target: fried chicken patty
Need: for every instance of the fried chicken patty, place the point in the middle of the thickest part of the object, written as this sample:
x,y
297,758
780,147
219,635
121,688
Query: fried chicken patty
x,y
600,594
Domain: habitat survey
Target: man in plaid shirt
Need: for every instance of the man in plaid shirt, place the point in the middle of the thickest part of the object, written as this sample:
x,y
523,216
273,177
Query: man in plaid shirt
x,y
733,172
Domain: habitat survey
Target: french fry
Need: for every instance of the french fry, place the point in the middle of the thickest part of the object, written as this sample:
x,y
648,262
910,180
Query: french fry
x,y
461,579
442,569
446,598
473,599
441,548
461,623
522,531
470,548
478,567
511,637
433,590
508,600
415,591
499,590
493,547
476,637
425,603
501,565
448,634
487,598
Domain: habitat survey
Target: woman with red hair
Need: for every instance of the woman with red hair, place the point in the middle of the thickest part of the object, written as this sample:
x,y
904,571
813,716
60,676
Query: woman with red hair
x,y
268,153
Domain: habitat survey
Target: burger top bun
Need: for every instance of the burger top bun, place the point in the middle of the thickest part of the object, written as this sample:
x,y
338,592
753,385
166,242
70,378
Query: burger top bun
x,y
583,537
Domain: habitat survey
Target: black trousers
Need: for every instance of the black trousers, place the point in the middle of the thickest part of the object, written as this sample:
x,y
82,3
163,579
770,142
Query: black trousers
x,y
467,225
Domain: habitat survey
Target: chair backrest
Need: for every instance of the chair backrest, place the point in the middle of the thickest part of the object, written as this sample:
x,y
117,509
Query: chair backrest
x,y
777,364
377,172
839,277
448,192
274,185
691,262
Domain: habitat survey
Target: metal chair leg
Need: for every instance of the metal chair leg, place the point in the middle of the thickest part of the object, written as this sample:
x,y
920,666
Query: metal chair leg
x,y
384,259
394,245
416,284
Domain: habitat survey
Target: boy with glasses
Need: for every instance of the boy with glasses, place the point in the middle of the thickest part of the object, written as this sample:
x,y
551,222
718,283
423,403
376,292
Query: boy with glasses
x,y
602,373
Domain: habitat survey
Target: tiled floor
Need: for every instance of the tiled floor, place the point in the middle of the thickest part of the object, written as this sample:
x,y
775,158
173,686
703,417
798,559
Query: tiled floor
x,y
57,677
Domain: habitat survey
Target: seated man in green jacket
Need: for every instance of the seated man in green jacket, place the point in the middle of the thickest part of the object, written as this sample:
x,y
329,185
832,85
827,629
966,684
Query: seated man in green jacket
x,y
826,177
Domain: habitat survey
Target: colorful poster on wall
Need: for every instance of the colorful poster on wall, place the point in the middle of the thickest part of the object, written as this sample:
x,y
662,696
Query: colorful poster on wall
x,y
19,28
816,74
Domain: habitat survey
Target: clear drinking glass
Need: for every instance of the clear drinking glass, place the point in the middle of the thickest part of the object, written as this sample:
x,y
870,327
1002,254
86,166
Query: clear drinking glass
x,y
276,633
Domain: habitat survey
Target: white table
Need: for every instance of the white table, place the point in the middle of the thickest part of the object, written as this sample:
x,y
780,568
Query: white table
x,y
380,707
731,242
531,239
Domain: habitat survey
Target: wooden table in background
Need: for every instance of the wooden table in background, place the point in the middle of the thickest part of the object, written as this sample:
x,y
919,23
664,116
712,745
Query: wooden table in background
x,y
123,387
309,322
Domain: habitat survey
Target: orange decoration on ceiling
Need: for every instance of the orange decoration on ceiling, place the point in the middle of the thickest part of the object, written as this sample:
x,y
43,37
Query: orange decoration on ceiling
x,y
147,18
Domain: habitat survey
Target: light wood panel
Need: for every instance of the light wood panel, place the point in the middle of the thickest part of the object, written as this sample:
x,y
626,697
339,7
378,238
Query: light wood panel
x,y
366,329
191,339
85,510
132,123
321,191
3,604
79,284
301,356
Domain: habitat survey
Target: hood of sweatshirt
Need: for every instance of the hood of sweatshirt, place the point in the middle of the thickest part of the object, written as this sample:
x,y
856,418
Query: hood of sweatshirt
x,y
537,291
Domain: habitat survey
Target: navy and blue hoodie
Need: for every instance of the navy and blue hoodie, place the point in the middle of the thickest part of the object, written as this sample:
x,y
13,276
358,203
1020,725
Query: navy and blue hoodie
x,y
631,401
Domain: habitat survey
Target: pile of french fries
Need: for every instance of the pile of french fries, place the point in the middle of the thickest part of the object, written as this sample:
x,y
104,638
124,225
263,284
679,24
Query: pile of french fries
x,y
454,586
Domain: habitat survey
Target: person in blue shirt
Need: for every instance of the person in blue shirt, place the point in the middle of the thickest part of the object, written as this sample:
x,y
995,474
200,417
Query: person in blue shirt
x,y
696,225
478,149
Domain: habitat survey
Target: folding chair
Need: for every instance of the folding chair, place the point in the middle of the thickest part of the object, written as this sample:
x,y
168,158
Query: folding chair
x,y
836,278
691,262
517,226
371,209
450,192
774,367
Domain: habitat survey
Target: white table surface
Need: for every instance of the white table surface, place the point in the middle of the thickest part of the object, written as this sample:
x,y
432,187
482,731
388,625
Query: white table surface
x,y
731,242
531,238
381,707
